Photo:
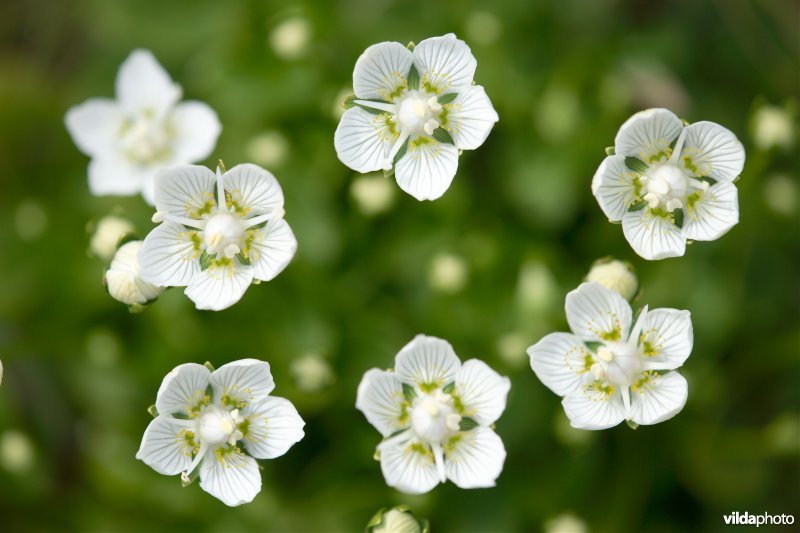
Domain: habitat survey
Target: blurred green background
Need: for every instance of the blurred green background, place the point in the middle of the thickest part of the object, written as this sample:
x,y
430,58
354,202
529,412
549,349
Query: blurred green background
x,y
486,267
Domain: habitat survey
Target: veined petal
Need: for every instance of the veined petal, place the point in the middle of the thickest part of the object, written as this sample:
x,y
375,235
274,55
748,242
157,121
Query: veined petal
x,y
711,213
427,169
113,175
470,118
380,398
272,249
252,190
169,256
445,64
242,383
143,86
363,140
186,191
94,125
474,458
597,406
427,362
230,475
666,337
196,128
595,313
482,391
219,287
167,446
381,71
183,390
648,134
408,464
614,186
560,360
711,150
653,236
655,398
274,426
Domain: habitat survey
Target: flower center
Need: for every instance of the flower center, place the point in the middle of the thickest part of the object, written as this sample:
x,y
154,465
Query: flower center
x,y
217,426
666,186
433,417
418,112
224,234
145,140
619,363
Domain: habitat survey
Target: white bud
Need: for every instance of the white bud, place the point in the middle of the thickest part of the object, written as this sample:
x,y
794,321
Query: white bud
x,y
615,275
772,126
16,451
268,149
374,194
106,236
122,277
397,519
565,523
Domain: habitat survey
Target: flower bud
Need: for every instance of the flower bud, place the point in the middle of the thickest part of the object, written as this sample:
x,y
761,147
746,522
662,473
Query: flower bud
x,y
398,519
615,275
107,234
374,194
122,278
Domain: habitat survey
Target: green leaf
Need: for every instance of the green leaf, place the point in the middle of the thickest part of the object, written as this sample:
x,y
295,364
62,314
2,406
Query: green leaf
x,y
636,164
710,180
443,136
411,45
593,345
180,416
413,78
400,153
610,150
153,411
408,392
243,259
449,388
447,98
205,260
210,389
637,206
678,214
467,423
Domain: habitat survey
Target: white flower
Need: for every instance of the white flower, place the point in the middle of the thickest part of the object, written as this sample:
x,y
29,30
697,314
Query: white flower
x,y
448,273
609,372
219,233
414,111
772,126
373,194
221,422
290,38
669,183
312,372
435,415
143,130
398,519
615,275
105,239
123,278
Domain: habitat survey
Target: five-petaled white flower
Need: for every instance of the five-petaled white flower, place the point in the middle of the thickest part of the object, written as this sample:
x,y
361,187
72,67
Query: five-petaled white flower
x,y
608,372
219,233
414,111
144,130
669,183
220,422
435,415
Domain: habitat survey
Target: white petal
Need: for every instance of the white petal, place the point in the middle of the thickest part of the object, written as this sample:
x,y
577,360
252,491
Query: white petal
x,y
713,213
183,390
427,168
613,186
560,360
363,140
427,361
232,477
380,398
168,256
470,118
648,134
482,391
475,458
165,446
218,288
667,336
253,189
275,426
653,236
94,125
272,249
196,128
408,464
185,191
242,383
595,313
144,86
590,410
658,398
445,64
711,150
113,175
381,71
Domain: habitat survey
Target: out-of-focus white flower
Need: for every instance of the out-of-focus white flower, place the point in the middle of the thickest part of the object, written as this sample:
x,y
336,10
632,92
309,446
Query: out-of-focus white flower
x,y
1,372
16,451
565,523
312,372
373,194
483,27
143,130
537,287
511,348
218,233
436,417
290,38
448,273
30,220
398,519
413,112
268,149
123,278
607,370
220,422
615,275
107,234
780,193
772,126
669,183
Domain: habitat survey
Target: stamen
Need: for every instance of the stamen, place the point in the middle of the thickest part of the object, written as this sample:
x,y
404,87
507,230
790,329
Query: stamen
x,y
430,126
276,213
191,222
196,461
221,204
380,106
438,455
395,148
676,153
604,354
674,204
